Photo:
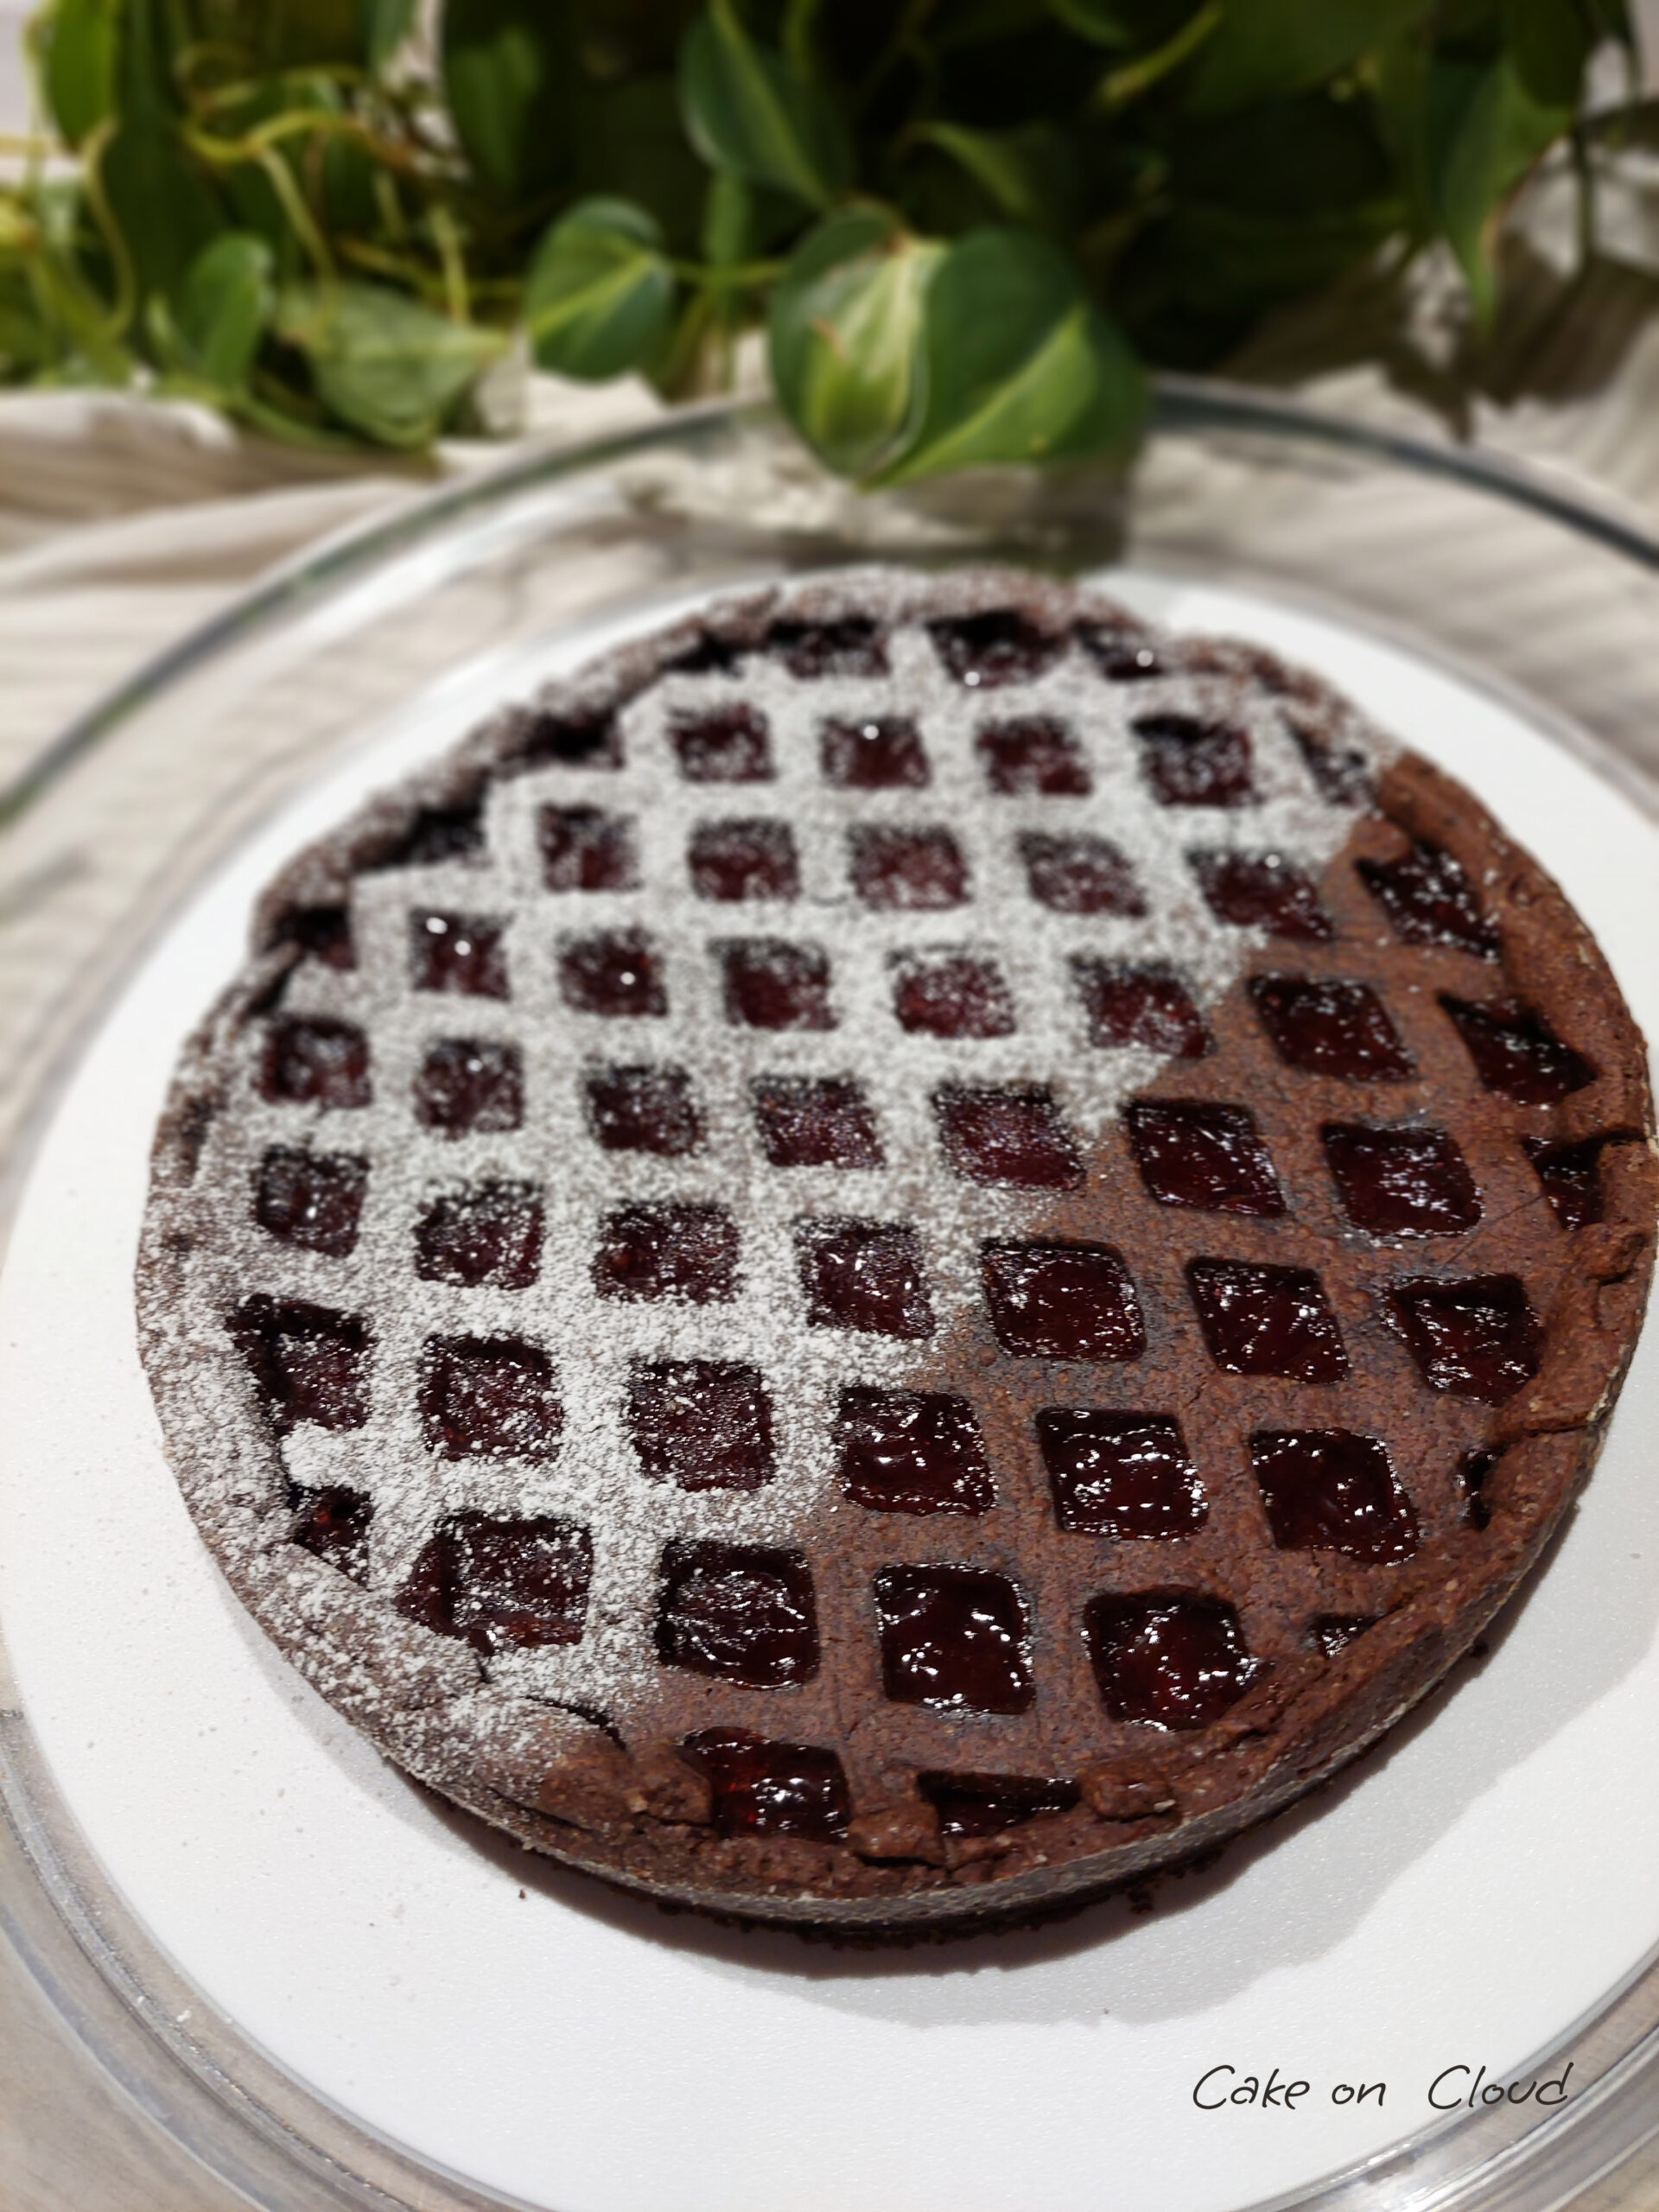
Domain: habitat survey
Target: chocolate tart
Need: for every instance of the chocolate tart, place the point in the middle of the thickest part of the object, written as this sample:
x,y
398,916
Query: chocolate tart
x,y
905,1252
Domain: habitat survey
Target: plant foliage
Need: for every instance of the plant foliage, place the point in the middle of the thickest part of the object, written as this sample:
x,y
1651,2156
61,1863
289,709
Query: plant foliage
x,y
963,225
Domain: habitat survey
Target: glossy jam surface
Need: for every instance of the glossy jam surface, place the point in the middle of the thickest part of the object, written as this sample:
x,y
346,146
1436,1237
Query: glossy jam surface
x,y
1571,1175
1474,1472
731,745
314,1060
1033,755
613,972
644,1110
989,1804
1333,1632
1123,654
865,1275
1326,1026
487,1233
470,1086
815,1121
1261,891
743,859
954,1639
702,1424
766,1789
1516,1053
1192,763
570,742
1146,1006
1429,899
311,1200
1063,1301
323,933
463,953
1079,874
912,1451
1172,1657
1192,1152
920,870
855,647
746,1613
502,1584
982,651
1006,1136
770,984
1340,772
333,1524
1122,1475
1326,1490
1477,1338
1266,1320
952,994
1402,1182
880,754
488,1398
584,848
667,1251
308,1363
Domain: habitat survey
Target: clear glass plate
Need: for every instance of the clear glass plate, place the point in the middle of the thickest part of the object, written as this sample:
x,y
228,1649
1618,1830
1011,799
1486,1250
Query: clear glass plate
x,y
1512,579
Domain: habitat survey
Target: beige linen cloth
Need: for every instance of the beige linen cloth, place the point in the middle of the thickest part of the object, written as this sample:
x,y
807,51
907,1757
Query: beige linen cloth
x,y
123,523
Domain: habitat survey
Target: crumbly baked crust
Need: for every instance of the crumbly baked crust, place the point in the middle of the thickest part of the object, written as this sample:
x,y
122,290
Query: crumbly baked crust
x,y
530,1403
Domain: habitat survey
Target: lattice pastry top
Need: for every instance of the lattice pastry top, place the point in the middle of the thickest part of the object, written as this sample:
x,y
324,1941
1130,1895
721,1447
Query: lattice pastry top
x,y
907,1249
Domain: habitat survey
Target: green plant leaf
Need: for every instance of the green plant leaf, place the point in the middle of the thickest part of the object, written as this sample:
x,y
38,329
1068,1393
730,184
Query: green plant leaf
x,y
80,46
845,332
1027,173
166,209
1262,49
747,111
382,362
1020,367
1101,21
1485,131
633,147
224,307
513,74
599,294
386,24
1550,41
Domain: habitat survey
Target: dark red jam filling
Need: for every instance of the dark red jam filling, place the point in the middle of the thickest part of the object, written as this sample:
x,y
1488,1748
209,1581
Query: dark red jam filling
x,y
919,870
1571,1176
1192,763
1145,1007
1261,891
1079,874
770,984
1516,1053
490,1233
954,1639
748,1614
865,1275
729,745
1333,1633
437,833
984,651
702,1424
615,972
1474,1472
1402,1182
1033,756
323,932
1172,1657
333,1524
488,1398
1122,653
314,1060
1122,1475
1340,772
1266,1320
952,994
989,1804
502,1584
1327,1026
308,1363
853,647
1474,1338
709,656
1063,1301
644,1110
463,953
470,1086
912,1451
884,754
1192,1152
586,849
667,1251
313,1199
1007,1136
744,860
1429,900
549,741
763,1789
815,1121
1326,1490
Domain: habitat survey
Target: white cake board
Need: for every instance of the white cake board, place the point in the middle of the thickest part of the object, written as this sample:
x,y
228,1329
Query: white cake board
x,y
1463,1899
